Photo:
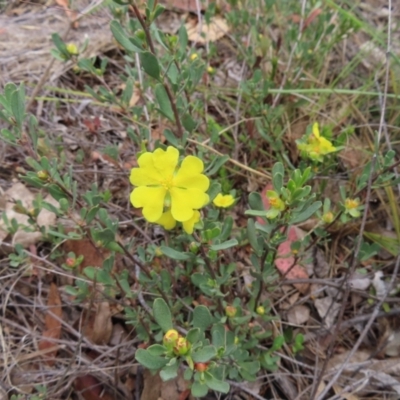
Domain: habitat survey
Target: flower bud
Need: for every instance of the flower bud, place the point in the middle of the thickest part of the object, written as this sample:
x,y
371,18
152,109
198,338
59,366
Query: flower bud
x,y
42,175
194,56
328,217
230,311
194,247
181,347
70,262
158,252
200,367
170,338
260,310
236,340
72,49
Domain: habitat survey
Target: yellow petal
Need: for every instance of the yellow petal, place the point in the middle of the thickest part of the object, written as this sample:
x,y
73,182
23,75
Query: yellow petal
x,y
166,161
167,221
145,176
184,201
315,130
224,201
188,226
190,176
151,199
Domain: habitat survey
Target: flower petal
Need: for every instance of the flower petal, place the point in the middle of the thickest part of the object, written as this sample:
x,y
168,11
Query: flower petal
x,y
167,221
190,174
166,161
146,174
188,225
224,201
315,130
184,201
151,199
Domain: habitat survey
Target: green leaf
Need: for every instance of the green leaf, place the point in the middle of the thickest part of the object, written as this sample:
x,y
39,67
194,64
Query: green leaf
x,y
255,201
252,236
149,361
201,317
225,245
18,105
193,335
188,374
226,228
188,122
61,46
163,102
183,38
277,182
214,189
199,389
303,216
174,254
56,192
252,367
162,314
215,384
390,244
122,38
171,137
218,334
204,354
216,164
150,64
156,350
169,372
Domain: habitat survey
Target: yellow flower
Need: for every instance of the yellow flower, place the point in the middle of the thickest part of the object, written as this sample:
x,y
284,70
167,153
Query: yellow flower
x,y
352,207
72,49
194,56
275,201
223,201
168,193
170,338
316,146
260,310
182,346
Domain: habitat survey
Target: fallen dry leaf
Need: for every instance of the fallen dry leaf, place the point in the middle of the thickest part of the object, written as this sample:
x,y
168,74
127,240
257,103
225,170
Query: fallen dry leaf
x,y
217,28
155,388
298,315
97,326
328,310
185,5
52,324
45,218
90,388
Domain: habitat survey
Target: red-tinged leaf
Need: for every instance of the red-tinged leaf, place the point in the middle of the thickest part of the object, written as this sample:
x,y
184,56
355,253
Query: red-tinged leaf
x,y
52,324
184,395
285,260
314,14
92,125
265,201
88,386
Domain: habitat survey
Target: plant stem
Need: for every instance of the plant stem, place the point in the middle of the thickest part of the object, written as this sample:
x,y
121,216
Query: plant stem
x,y
165,84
